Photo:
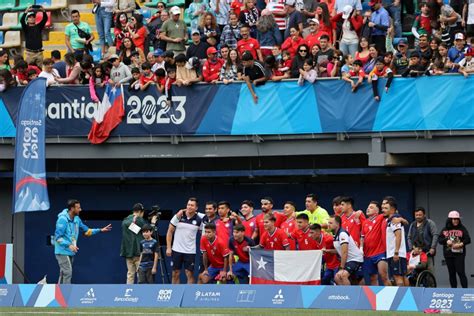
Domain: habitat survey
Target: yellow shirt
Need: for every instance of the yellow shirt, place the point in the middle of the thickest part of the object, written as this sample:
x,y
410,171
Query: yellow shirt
x,y
319,216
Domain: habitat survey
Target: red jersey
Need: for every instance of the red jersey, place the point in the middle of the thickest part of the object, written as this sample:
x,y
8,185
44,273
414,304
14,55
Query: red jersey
x,y
212,70
303,239
250,226
216,251
289,226
292,45
313,39
144,79
415,260
224,230
353,226
276,241
331,259
359,74
373,231
280,218
241,249
250,44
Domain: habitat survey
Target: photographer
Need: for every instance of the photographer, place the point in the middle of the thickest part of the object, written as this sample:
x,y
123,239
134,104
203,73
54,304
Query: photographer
x,y
32,31
131,238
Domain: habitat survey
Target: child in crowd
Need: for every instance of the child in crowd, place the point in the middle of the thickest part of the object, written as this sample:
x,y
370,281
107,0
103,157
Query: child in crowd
x,y
380,71
160,75
32,75
466,65
23,72
274,72
185,72
170,80
422,23
437,68
307,73
285,64
350,69
148,256
147,78
415,68
98,79
135,84
416,259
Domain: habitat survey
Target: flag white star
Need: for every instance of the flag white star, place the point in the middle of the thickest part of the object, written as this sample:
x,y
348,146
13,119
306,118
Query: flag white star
x,y
37,97
113,90
261,264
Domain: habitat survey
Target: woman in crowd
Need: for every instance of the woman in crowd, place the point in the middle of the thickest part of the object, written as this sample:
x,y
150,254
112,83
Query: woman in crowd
x,y
363,54
314,53
373,54
229,70
209,30
441,57
196,9
4,64
272,67
292,43
454,237
450,18
249,16
97,79
6,80
351,26
268,34
138,32
128,47
325,24
121,29
73,70
298,60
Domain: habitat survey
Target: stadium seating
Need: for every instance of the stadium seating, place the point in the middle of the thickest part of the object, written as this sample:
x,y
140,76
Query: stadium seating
x,y
7,5
45,3
49,23
57,5
12,39
1,37
9,20
23,5
152,3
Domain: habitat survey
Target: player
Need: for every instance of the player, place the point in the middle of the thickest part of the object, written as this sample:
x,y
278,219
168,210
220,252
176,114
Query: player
x,y
289,225
351,220
215,254
224,223
325,242
239,246
302,234
336,205
273,238
248,220
316,214
267,208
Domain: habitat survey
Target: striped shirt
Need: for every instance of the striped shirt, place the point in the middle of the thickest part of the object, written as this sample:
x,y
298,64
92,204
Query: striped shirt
x,y
276,7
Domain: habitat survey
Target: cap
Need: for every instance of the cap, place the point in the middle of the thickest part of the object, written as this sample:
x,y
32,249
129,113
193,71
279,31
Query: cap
x,y
415,53
192,63
314,21
211,50
454,214
403,42
373,2
168,53
158,52
469,52
290,2
459,36
195,31
175,10
113,56
31,13
346,11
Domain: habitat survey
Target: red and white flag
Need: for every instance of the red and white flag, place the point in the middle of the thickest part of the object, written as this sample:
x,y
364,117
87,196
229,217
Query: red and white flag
x,y
285,267
109,114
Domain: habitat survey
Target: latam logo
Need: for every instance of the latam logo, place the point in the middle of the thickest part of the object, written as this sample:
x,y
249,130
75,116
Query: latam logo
x,y
207,296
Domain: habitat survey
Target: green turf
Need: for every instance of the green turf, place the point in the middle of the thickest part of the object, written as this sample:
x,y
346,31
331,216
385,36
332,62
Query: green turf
x,y
188,311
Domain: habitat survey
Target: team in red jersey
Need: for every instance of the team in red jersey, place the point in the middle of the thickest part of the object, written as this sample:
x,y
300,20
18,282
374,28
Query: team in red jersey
x,y
267,208
289,225
302,234
215,255
273,238
239,245
351,220
324,242
249,220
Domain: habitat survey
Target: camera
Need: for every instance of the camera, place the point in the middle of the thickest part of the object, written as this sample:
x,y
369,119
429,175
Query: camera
x,y
155,211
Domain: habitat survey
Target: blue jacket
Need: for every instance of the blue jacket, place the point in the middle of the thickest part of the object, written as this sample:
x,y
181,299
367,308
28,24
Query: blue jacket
x,y
67,231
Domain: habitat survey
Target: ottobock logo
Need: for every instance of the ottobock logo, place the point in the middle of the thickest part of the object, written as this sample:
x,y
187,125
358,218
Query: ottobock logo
x,y
339,297
278,299
164,295
127,297
207,296
246,296
89,297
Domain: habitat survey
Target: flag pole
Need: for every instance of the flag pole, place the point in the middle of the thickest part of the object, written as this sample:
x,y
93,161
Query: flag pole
x,y
12,240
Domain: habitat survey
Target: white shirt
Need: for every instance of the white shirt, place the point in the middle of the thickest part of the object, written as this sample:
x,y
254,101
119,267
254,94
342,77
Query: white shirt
x,y
157,66
185,233
50,77
354,253
391,229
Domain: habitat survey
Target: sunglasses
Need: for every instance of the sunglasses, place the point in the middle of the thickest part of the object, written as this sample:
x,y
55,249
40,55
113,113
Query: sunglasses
x,y
303,51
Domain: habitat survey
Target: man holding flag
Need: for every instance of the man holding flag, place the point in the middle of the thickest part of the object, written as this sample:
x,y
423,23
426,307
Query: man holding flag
x,y
65,238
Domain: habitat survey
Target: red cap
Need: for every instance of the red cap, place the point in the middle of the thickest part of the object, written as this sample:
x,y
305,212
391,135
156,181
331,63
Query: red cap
x,y
211,50
374,2
469,52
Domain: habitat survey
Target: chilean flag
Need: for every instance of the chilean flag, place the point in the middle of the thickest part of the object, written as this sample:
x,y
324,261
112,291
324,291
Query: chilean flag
x,y
109,114
285,267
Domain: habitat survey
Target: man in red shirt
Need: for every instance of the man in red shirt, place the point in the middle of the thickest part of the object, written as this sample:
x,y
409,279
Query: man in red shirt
x,y
267,208
147,78
223,223
302,234
336,205
351,220
373,243
239,246
289,225
215,256
273,238
325,242
212,66
249,44
314,33
248,220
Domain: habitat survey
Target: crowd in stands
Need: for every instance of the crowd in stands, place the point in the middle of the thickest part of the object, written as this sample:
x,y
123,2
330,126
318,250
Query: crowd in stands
x,y
251,40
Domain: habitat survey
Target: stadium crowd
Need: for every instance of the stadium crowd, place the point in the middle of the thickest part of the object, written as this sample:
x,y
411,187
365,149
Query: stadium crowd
x,y
251,40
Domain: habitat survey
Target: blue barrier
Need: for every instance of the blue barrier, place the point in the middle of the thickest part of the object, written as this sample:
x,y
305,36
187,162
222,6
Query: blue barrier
x,y
378,298
328,106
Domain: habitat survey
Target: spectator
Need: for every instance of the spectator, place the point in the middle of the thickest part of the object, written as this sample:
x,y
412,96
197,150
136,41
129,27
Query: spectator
x,y
147,78
454,237
134,83
307,73
224,52
98,79
237,6
248,44
230,68
153,26
351,26
209,30
335,64
231,32
131,238
249,17
292,43
450,19
86,69
277,8
312,38
415,68
125,6
424,231
380,71
220,9
294,18
168,57
400,62
379,22
456,52
32,75
340,4
212,66
186,73
424,47
22,68
135,61
4,64
158,42
128,47
6,80
434,45
160,75
373,54
149,254
253,73
466,66
103,10
138,32
268,34
120,73
49,72
308,10
274,71
74,41
468,18
195,10
59,64
174,32
422,23
316,214
325,24
417,260
159,62
33,35
324,55
121,29
350,69
298,61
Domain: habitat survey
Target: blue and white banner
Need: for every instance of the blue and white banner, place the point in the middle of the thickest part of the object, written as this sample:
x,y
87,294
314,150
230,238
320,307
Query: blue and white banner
x,y
30,191
7,294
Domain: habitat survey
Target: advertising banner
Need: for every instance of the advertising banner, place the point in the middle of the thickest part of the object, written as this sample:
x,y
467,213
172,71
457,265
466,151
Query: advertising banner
x,y
7,294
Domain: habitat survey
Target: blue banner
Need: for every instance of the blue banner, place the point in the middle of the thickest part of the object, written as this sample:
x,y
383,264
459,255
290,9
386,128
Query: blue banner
x,y
327,106
30,191
7,294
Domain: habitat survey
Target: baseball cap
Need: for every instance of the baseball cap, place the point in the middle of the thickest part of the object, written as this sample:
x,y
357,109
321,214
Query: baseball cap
x,y
211,50
459,36
314,20
168,53
454,214
192,63
403,42
30,14
113,56
346,11
195,31
373,2
290,2
158,52
469,52
175,10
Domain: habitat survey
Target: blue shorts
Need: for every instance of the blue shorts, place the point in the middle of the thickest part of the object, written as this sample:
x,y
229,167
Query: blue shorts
x,y
241,269
178,260
213,272
354,268
370,263
397,268
328,276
